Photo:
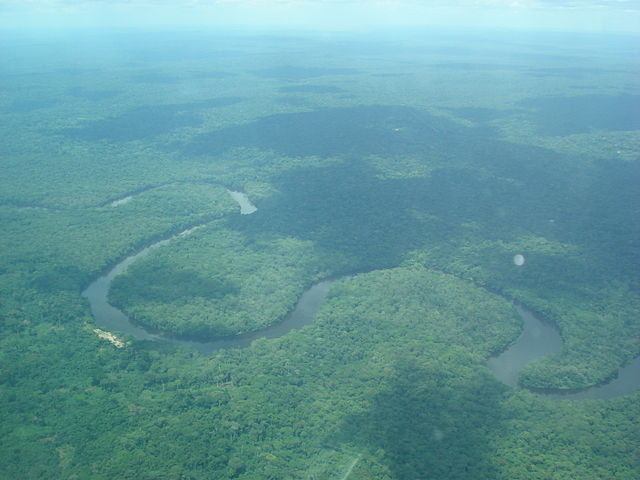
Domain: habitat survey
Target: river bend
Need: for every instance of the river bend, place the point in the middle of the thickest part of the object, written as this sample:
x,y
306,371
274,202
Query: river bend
x,y
537,340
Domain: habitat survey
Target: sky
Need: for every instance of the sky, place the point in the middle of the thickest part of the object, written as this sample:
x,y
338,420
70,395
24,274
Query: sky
x,y
612,16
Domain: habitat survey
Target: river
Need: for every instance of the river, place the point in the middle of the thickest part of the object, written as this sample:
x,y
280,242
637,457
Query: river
x,y
537,340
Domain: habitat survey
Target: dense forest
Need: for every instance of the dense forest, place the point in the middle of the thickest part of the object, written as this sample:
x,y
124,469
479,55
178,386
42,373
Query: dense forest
x,y
408,170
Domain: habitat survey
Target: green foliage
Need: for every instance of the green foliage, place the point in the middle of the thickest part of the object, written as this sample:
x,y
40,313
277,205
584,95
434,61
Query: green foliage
x,y
410,161
216,282
65,249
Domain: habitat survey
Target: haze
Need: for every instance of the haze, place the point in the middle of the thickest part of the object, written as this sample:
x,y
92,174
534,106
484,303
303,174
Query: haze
x,y
593,15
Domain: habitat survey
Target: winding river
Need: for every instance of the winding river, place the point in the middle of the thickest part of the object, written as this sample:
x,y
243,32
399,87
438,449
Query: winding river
x,y
537,340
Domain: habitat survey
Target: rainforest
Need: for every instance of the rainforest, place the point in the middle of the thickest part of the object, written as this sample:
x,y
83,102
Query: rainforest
x,y
300,256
